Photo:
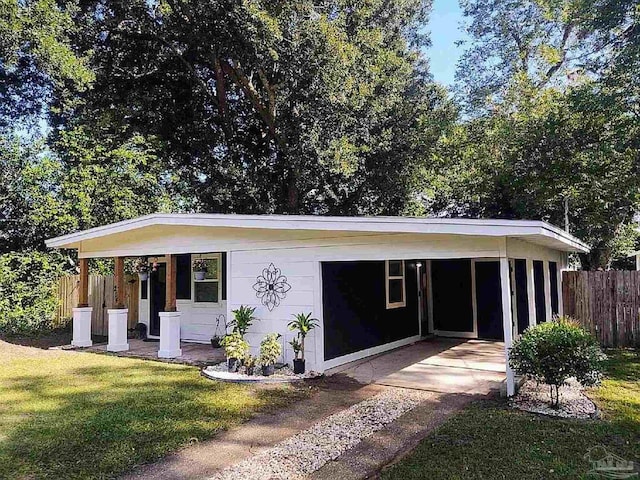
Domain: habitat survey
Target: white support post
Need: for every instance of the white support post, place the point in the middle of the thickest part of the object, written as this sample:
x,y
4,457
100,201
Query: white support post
x,y
82,327
507,323
546,275
637,261
117,340
531,292
169,335
429,298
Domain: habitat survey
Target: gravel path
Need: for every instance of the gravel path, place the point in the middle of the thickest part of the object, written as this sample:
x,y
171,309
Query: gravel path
x,y
534,397
307,451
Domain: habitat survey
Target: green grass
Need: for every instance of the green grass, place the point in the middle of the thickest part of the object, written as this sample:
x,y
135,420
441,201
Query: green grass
x,y
488,441
71,415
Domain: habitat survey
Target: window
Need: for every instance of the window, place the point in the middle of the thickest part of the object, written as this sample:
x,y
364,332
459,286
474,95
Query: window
x,y
144,289
208,290
183,277
395,284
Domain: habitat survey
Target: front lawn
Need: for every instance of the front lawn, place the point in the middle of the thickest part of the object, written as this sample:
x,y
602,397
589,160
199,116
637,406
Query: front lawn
x,y
490,441
81,415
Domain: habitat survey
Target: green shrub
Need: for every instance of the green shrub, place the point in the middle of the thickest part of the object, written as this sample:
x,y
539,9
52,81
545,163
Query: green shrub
x,y
235,346
28,301
554,351
270,349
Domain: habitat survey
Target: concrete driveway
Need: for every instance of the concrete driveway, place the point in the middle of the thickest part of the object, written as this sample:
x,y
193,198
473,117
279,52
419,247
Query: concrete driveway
x,y
438,365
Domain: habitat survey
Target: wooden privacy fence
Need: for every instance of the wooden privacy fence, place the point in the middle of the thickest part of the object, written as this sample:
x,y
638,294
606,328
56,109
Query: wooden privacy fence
x,y
101,298
605,303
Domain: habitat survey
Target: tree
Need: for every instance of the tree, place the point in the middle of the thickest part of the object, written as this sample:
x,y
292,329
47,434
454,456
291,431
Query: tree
x,y
552,120
279,106
552,150
540,41
36,58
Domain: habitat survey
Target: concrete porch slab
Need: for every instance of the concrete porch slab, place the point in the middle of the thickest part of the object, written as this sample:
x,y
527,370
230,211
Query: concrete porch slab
x,y
196,354
438,365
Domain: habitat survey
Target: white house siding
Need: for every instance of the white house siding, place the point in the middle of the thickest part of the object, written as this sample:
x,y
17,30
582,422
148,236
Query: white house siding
x,y
301,265
298,254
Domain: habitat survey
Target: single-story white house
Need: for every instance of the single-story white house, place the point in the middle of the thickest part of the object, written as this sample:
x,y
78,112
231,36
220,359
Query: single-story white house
x,y
374,283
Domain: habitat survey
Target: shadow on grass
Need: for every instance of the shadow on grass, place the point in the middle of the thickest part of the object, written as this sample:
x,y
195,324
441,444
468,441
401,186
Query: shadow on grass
x,y
89,416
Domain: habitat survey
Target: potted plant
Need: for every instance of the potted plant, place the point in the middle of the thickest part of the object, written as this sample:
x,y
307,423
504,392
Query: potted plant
x,y
142,268
236,349
298,363
242,319
270,351
217,338
199,268
303,324
250,364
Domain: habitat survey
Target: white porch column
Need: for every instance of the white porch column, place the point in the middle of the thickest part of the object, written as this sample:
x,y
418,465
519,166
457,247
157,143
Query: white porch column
x,y
117,341
531,293
82,327
546,274
169,335
507,323
637,261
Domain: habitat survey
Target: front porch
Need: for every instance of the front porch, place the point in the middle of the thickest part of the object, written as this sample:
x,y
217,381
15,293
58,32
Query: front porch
x,y
196,354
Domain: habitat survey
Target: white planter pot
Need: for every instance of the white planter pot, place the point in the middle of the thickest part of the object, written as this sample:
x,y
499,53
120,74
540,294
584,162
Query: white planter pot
x,y
143,276
199,275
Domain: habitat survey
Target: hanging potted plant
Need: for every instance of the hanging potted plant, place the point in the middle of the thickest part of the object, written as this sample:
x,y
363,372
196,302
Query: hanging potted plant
x,y
142,268
270,351
236,348
303,324
217,338
199,268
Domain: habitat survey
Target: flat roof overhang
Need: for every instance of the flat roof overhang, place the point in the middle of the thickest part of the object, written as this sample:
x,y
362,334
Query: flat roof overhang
x,y
534,231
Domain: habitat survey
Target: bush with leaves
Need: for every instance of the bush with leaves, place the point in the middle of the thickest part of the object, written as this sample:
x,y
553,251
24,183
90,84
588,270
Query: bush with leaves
x,y
28,300
270,350
235,346
554,351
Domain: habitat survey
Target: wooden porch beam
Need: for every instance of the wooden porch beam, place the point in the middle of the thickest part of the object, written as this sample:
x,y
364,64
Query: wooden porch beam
x,y
170,305
119,282
83,287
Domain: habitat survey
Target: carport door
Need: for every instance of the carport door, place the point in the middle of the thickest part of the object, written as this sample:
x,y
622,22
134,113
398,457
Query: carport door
x,y
489,300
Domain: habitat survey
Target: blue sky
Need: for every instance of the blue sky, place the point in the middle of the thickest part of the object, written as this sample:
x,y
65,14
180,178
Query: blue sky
x,y
445,31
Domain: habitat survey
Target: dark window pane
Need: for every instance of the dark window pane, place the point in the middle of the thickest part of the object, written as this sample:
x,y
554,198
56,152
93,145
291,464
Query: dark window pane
x,y
395,291
144,289
223,274
553,277
206,291
395,268
538,282
183,277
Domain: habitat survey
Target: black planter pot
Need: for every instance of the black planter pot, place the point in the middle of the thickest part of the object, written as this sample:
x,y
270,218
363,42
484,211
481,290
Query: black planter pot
x,y
233,364
215,342
298,366
268,370
251,371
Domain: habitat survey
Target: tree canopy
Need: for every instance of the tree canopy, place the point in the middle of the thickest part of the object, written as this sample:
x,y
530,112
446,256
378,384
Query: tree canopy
x,y
111,109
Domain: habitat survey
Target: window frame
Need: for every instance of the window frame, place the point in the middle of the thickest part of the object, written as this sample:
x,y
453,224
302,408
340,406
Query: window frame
x,y
206,256
387,278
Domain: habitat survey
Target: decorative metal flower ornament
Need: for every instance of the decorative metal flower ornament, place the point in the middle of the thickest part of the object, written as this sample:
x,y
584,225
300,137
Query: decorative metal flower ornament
x,y
271,287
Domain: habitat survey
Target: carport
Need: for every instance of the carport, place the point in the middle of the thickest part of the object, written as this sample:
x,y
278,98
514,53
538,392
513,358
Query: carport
x,y
443,365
